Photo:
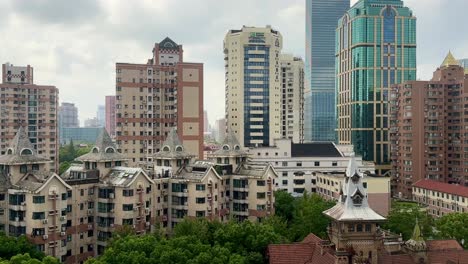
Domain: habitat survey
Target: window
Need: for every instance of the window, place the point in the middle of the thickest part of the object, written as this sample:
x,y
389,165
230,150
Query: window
x,y
2,196
299,164
285,182
351,228
127,193
200,187
359,228
261,195
284,173
334,163
260,183
317,163
127,207
23,168
200,200
285,163
38,215
200,213
108,164
64,196
38,199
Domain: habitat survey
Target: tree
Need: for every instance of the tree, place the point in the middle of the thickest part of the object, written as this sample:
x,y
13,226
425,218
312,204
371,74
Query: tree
x,y
11,246
455,226
403,216
308,217
284,205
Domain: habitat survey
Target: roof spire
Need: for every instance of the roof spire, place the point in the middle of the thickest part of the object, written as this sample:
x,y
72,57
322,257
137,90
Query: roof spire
x,y
417,236
449,61
104,141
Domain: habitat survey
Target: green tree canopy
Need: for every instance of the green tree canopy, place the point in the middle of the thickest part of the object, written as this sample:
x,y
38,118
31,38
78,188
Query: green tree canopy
x,y
11,246
455,226
403,216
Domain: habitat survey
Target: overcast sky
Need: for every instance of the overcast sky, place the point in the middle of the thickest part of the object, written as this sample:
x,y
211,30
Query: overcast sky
x,y
75,46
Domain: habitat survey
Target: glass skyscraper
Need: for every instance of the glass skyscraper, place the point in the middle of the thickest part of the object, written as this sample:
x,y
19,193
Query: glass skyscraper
x,y
375,48
321,22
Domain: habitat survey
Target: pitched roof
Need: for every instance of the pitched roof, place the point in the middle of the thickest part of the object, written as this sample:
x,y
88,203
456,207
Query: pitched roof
x,y
308,251
123,176
21,151
315,149
353,204
172,147
448,244
450,61
230,146
103,150
168,43
442,187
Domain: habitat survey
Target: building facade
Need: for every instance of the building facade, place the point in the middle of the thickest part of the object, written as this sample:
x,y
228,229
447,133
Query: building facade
x,y
440,198
79,134
464,63
292,98
321,21
220,129
101,115
154,97
23,103
33,200
68,115
253,84
298,165
91,122
375,48
110,115
428,129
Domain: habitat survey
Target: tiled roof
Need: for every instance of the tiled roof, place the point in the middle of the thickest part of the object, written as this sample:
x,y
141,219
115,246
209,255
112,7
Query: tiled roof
x,y
442,187
172,147
449,244
15,154
230,146
103,150
309,251
315,149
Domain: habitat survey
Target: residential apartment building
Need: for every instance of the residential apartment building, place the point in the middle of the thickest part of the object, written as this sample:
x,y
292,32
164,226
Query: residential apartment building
x,y
33,200
23,103
299,164
153,98
329,186
110,115
253,84
429,129
440,198
375,48
68,115
321,21
292,98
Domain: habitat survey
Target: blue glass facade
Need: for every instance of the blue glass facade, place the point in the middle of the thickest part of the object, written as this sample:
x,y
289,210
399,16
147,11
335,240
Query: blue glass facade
x,y
252,90
321,21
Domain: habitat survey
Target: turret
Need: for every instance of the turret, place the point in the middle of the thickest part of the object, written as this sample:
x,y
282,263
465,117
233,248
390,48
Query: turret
x,y
230,152
172,155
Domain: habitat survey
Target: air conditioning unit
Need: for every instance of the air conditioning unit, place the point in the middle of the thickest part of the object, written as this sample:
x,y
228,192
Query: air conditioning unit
x,y
90,227
23,203
185,191
111,196
209,196
148,224
62,218
45,237
147,210
62,233
16,219
44,221
135,208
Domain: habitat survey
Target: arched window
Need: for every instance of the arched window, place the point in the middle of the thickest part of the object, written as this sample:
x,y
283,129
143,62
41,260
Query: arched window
x,y
9,152
179,149
95,150
389,24
225,147
110,150
236,147
26,152
166,149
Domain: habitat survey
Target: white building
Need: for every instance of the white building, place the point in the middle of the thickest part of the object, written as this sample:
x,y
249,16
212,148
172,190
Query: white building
x,y
298,164
292,98
253,85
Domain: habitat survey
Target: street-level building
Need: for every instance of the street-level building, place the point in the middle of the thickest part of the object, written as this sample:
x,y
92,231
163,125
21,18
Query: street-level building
x,y
292,98
153,98
429,129
440,198
35,107
299,164
33,200
253,84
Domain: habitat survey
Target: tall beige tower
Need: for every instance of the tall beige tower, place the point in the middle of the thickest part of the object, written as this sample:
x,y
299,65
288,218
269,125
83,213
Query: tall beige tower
x,y
253,84
292,98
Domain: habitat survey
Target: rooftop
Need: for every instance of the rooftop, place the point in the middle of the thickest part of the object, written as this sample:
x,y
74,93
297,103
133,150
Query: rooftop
x,y
442,187
315,149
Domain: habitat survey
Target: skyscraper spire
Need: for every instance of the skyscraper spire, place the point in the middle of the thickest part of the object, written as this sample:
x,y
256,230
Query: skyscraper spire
x,y
449,61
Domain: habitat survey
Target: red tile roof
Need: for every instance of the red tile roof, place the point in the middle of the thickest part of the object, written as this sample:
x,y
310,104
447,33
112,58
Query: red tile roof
x,y
442,187
450,244
312,238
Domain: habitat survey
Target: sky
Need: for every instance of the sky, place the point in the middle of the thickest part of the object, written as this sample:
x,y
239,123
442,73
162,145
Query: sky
x,y
75,47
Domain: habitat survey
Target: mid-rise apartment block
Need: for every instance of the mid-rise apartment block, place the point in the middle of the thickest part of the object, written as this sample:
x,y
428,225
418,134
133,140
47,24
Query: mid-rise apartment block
x,y
253,84
110,115
440,198
68,115
298,165
35,107
153,98
33,200
429,129
292,98
375,48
